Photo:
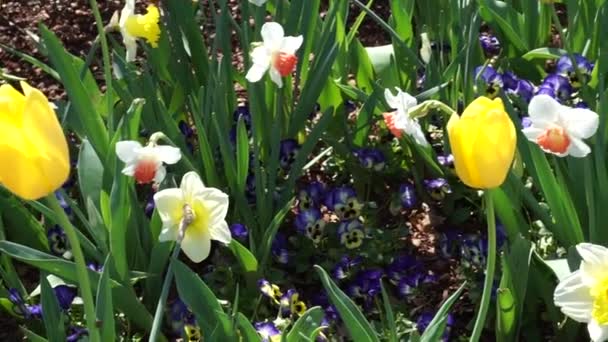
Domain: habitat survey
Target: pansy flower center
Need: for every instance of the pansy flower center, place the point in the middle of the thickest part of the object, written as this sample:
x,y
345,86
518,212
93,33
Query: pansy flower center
x,y
284,62
145,170
599,292
554,139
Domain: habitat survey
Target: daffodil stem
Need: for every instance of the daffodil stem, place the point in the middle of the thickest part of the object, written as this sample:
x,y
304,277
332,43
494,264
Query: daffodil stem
x,y
164,293
107,67
81,268
490,264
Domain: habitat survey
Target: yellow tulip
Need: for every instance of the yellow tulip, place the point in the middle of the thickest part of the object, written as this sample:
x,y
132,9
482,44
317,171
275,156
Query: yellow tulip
x,y
483,143
34,159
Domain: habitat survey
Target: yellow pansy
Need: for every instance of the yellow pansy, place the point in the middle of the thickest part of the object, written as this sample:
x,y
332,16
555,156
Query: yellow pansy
x,y
34,158
483,143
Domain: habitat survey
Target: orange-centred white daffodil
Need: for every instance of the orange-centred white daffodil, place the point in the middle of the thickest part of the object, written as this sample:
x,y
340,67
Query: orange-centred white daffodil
x,y
583,295
145,163
193,215
559,129
400,120
34,157
276,54
133,26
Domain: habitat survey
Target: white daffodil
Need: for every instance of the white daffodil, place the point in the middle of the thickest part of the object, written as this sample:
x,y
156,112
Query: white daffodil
x,y
258,2
133,26
193,215
559,129
145,163
583,295
400,121
275,54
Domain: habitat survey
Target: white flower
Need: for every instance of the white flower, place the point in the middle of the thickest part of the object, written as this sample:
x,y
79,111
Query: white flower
x,y
400,121
276,53
133,26
145,163
258,2
583,295
559,129
208,207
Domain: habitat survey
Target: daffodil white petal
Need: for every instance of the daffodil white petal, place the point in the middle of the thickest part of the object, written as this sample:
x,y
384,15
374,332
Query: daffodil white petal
x,y
170,205
168,154
275,76
127,151
291,44
391,99
256,72
594,254
196,244
580,123
272,35
574,298
191,186
129,170
532,133
543,108
258,2
597,332
161,173
168,234
578,148
220,232
413,129
216,202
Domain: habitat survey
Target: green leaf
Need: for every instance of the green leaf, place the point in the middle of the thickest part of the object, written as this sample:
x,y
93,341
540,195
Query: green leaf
x,y
501,13
201,300
20,225
544,53
51,312
245,258
248,332
90,173
360,330
104,307
32,336
435,329
306,324
390,317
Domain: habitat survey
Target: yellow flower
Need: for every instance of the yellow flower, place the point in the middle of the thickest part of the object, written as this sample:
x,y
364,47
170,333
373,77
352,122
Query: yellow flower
x,y
483,143
134,26
34,159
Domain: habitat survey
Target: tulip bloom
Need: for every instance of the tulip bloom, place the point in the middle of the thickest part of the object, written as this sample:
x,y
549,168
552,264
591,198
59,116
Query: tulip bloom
x,y
559,129
483,143
583,294
276,54
34,157
203,212
133,26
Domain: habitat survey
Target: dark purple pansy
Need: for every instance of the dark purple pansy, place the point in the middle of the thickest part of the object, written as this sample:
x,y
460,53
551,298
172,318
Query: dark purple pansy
x,y
239,231
288,152
556,86
491,78
58,241
437,188
407,196
489,44
279,249
311,195
266,330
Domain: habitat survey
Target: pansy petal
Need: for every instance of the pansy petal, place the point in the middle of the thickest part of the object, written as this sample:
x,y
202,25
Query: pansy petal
x,y
597,332
291,44
581,123
272,34
275,76
544,108
170,206
574,298
220,232
196,244
127,150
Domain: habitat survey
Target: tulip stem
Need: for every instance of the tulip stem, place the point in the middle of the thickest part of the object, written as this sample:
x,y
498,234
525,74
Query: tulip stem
x,y
160,307
81,267
490,264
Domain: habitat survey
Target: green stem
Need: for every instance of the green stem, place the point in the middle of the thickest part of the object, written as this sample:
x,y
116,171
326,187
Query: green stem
x,y
81,267
160,307
107,67
490,264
